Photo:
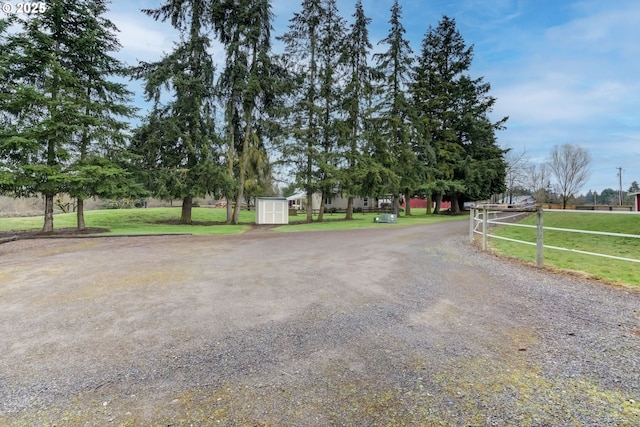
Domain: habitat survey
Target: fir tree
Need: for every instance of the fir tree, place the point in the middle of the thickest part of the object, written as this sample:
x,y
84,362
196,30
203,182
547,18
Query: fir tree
x,y
248,85
102,139
185,141
397,114
360,89
331,71
302,58
454,109
51,115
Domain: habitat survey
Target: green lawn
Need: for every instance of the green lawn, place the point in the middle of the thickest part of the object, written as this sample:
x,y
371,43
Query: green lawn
x,y
598,267
138,221
207,221
336,222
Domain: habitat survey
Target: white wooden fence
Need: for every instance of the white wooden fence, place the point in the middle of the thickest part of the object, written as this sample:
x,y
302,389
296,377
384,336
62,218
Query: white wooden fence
x,y
480,215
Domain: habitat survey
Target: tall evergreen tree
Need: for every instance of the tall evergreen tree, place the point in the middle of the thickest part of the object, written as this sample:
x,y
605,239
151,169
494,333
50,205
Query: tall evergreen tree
x,y
454,110
302,57
248,84
187,166
102,138
332,35
397,113
51,113
360,88
5,96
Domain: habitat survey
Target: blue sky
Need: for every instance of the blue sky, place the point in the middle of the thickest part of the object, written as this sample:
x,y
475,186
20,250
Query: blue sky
x,y
564,71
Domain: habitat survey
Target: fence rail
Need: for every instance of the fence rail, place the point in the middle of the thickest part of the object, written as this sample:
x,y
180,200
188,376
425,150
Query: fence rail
x,y
480,214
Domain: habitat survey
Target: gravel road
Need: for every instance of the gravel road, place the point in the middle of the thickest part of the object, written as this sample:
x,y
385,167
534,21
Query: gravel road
x,y
393,326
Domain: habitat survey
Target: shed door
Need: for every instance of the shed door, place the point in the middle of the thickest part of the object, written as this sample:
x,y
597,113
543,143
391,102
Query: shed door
x,y
273,212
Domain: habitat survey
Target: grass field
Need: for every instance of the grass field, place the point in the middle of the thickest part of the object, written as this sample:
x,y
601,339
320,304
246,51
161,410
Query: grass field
x,y
207,221
137,221
601,268
336,222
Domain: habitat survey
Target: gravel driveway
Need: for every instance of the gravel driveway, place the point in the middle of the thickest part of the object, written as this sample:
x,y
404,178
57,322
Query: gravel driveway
x,y
394,326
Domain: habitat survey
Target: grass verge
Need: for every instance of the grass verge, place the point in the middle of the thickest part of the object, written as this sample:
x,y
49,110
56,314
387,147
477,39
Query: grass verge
x,y
615,271
206,221
139,221
337,222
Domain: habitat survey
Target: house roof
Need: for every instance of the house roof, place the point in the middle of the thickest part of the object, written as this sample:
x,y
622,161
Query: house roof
x,y
518,199
297,196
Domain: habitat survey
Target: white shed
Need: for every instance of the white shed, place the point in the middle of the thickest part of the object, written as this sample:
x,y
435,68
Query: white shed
x,y
272,210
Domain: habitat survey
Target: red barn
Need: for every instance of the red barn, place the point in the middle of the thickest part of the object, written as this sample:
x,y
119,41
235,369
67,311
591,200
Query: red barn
x,y
417,203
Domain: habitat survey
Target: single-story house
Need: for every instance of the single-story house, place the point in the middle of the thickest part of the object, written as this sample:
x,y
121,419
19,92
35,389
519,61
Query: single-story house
x,y
298,201
518,201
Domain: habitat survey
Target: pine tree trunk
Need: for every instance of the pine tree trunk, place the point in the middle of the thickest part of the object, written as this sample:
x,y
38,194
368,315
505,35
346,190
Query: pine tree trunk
x,y
455,205
436,210
80,214
407,204
230,159
309,206
83,154
48,213
321,211
396,205
236,208
349,208
229,210
244,160
187,203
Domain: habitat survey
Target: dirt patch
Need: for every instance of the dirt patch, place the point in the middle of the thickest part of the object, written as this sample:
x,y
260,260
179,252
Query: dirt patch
x,y
393,326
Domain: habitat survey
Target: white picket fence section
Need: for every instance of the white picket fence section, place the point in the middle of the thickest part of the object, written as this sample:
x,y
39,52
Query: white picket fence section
x,y
480,217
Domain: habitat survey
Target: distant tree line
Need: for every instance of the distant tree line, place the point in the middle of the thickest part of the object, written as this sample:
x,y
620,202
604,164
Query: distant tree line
x,y
336,116
611,197
560,179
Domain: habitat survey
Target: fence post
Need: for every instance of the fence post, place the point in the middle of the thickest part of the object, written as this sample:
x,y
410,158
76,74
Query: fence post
x,y
485,223
539,238
472,217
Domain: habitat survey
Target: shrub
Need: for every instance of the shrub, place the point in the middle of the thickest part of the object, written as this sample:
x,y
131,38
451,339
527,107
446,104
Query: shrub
x,y
125,203
140,203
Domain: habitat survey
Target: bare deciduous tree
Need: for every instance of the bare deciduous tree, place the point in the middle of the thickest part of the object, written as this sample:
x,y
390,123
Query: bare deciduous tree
x,y
516,170
538,181
569,165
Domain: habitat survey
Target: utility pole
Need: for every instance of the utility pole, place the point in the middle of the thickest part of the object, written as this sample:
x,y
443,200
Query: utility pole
x,y
620,176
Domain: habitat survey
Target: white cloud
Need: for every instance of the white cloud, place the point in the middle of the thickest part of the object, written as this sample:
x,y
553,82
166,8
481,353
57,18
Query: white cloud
x,y
557,98
610,30
141,37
